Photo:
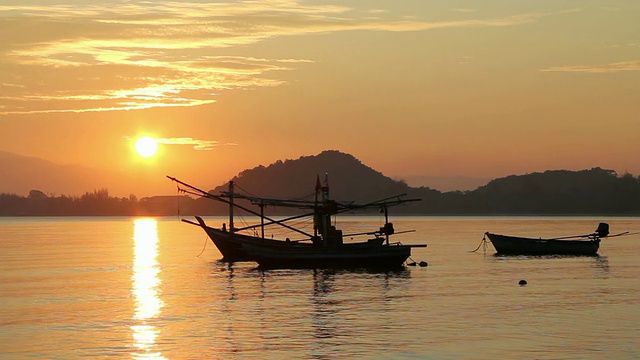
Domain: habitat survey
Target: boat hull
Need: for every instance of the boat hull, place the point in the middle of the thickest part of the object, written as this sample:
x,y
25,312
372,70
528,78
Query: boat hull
x,y
513,245
341,257
231,245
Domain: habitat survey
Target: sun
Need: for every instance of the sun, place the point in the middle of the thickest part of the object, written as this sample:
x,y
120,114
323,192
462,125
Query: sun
x,y
146,146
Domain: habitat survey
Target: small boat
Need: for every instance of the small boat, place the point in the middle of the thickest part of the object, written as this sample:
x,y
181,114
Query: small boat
x,y
323,247
568,245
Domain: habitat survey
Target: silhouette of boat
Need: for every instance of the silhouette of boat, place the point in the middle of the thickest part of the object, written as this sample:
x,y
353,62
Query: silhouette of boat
x,y
324,248
568,245
230,244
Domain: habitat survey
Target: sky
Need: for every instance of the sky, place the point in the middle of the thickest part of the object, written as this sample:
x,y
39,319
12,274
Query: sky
x,y
410,87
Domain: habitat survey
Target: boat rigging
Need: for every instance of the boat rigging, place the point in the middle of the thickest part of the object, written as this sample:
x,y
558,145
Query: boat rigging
x,y
327,247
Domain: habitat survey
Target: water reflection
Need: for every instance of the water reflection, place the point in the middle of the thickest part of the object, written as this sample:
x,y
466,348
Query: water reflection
x,y
144,288
324,308
602,267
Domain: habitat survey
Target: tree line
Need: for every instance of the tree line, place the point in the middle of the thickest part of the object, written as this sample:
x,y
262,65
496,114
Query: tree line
x,y
560,192
96,203
587,192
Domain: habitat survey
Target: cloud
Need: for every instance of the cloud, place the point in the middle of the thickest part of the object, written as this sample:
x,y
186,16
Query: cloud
x,y
607,68
627,45
197,144
138,54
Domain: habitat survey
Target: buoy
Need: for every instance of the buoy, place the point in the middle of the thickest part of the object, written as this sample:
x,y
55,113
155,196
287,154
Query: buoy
x,y
423,263
522,282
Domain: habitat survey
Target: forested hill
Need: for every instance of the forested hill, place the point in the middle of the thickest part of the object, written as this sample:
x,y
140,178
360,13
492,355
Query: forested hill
x,y
562,192
348,179
559,192
594,191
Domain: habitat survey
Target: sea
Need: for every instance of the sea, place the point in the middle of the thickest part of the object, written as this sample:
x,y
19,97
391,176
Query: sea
x,y
155,288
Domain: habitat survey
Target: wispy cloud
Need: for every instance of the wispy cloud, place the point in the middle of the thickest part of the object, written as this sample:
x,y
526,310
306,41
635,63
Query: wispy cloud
x,y
196,143
606,68
626,45
140,54
464,10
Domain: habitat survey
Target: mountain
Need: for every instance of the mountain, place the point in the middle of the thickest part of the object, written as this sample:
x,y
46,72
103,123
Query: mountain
x,y
348,178
22,174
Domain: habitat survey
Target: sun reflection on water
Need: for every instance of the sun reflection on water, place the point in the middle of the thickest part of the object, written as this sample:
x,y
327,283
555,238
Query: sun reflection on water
x,y
145,283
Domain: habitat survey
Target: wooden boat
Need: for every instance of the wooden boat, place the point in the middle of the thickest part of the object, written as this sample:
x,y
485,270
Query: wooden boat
x,y
569,245
230,244
323,248
514,245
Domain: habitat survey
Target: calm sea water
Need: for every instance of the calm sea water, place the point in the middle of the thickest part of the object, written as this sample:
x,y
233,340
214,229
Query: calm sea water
x,y
146,288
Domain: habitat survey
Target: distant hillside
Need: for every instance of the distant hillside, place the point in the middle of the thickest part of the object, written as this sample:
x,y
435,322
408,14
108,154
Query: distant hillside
x,y
349,179
21,174
585,192
561,192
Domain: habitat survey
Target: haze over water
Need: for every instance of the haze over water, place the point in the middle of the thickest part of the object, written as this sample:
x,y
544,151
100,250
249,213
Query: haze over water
x,y
136,288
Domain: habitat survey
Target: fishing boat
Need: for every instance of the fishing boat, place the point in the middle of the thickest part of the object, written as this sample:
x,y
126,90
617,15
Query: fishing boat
x,y
324,247
230,244
587,244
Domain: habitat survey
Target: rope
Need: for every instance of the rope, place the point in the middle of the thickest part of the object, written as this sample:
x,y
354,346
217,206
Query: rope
x,y
483,244
205,245
414,263
248,192
254,195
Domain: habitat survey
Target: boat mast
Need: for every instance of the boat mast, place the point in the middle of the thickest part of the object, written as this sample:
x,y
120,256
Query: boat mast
x,y
321,211
315,206
326,217
231,227
262,217
386,221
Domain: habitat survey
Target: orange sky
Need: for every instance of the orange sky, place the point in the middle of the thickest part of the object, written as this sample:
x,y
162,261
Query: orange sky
x,y
437,88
